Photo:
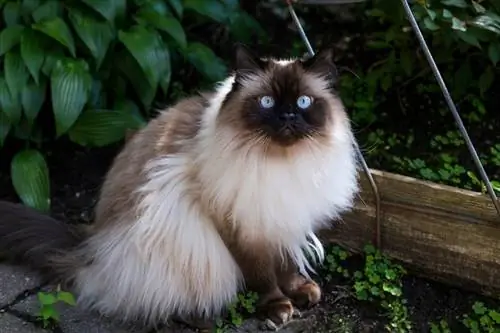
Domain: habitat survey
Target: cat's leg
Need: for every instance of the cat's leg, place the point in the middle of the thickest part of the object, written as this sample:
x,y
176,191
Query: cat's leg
x,y
257,265
304,292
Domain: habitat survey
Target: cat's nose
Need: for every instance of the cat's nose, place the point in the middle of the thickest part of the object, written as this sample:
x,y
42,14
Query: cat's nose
x,y
288,116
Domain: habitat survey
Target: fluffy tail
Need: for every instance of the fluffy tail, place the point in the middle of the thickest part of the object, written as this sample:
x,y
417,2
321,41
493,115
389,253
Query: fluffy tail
x,y
34,239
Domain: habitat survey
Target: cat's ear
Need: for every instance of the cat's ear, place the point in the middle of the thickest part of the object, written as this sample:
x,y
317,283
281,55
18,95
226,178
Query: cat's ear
x,y
245,61
321,63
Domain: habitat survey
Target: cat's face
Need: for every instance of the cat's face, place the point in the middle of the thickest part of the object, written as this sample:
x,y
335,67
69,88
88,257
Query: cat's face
x,y
283,101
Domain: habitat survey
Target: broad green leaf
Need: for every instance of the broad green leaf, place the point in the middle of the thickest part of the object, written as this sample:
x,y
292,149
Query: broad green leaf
x,y
486,80
52,56
57,29
494,52
109,9
46,298
429,24
32,98
158,6
95,34
30,178
32,53
101,127
478,8
133,110
177,7
48,10
164,23
4,127
28,6
16,73
10,37
148,50
486,22
209,8
455,3
70,87
133,72
205,61
468,38
458,24
10,105
12,13
243,27
447,14
66,297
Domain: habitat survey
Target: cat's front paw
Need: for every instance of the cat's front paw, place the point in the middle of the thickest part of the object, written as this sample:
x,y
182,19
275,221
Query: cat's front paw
x,y
307,295
279,311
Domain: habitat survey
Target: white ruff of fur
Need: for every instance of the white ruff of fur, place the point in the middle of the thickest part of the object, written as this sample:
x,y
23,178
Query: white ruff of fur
x,y
277,202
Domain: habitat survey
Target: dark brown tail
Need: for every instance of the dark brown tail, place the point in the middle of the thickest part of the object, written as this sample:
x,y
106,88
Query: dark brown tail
x,y
32,238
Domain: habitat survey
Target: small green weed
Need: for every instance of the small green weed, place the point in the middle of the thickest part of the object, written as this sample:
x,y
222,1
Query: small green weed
x,y
482,319
441,327
334,263
381,282
48,313
244,305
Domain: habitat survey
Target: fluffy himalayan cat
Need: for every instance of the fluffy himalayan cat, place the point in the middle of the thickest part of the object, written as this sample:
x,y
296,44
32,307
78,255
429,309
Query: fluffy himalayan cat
x,y
220,192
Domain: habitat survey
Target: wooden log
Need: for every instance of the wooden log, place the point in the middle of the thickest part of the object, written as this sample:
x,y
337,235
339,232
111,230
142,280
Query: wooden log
x,y
440,232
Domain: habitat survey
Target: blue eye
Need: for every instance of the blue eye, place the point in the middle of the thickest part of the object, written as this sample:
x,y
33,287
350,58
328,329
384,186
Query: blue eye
x,y
266,102
304,102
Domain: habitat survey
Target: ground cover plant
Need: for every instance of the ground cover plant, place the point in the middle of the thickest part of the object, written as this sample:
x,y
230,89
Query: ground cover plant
x,y
66,103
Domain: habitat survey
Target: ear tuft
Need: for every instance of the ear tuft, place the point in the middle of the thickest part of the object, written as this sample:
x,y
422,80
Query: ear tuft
x,y
321,63
246,61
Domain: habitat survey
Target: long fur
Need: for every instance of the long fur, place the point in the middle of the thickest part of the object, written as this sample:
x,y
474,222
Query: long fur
x,y
162,253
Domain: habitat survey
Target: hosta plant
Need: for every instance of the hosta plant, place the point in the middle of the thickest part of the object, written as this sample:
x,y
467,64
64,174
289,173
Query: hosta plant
x,y
92,69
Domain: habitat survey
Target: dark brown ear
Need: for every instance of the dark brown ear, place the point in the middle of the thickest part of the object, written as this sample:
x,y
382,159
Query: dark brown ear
x,y
246,61
321,63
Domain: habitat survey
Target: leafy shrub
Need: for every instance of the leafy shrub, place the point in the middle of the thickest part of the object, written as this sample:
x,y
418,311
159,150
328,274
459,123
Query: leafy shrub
x,y
88,70
396,85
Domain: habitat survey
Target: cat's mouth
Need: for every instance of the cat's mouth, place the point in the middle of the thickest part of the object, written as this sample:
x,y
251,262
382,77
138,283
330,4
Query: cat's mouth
x,y
288,134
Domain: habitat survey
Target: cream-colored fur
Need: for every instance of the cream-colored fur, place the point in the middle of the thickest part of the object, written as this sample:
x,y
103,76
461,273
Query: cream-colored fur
x,y
165,256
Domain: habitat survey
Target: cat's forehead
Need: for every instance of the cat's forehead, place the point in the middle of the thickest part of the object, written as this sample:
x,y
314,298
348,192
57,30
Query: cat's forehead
x,y
287,78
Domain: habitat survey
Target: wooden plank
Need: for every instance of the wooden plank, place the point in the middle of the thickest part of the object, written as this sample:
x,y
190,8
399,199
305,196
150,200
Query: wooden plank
x,y
440,232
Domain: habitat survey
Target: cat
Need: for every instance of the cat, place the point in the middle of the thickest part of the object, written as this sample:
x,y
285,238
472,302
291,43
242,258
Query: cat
x,y
221,192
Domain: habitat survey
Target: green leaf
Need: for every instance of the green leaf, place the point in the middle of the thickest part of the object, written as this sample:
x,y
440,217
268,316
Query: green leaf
x,y
12,13
32,98
148,50
28,6
101,127
95,34
212,9
486,22
164,23
494,52
109,9
30,178
70,87
177,7
429,24
133,110
66,297
455,3
46,298
52,56
486,80
478,8
133,72
447,14
57,29
50,9
10,37
5,127
32,53
458,24
11,106
203,58
16,74
468,38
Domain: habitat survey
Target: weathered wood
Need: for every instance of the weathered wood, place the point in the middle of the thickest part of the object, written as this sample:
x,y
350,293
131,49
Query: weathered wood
x,y
440,232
